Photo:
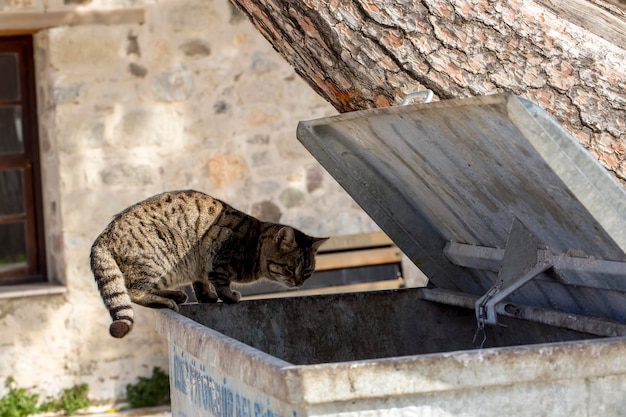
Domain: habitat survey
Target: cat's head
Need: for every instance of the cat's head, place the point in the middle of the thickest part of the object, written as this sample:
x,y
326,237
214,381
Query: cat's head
x,y
290,256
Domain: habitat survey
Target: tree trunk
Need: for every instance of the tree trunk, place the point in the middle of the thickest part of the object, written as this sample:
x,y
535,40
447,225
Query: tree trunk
x,y
569,57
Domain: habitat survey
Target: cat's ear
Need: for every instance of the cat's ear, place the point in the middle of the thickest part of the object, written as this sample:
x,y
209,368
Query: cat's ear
x,y
286,238
316,242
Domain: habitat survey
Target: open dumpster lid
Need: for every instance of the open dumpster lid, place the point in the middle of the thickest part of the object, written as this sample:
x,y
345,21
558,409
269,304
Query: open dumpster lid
x,y
486,193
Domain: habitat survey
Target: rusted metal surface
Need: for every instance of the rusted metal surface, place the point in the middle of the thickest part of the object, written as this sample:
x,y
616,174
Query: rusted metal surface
x,y
330,355
461,172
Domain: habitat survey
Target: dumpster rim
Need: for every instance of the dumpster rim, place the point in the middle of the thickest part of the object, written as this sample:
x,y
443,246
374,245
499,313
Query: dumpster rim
x,y
308,385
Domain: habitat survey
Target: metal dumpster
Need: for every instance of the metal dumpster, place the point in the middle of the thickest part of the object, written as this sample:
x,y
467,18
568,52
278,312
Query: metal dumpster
x,y
523,237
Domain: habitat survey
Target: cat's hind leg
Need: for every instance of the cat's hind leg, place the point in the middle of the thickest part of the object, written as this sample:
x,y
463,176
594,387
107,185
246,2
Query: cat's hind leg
x,y
178,296
158,298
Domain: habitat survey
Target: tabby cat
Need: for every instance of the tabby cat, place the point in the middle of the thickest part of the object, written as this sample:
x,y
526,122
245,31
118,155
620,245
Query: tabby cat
x,y
183,237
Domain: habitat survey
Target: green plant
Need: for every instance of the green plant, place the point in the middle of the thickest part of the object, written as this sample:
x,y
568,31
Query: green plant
x,y
18,402
151,391
72,399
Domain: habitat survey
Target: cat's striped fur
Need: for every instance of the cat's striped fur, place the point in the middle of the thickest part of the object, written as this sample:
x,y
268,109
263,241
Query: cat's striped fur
x,y
182,237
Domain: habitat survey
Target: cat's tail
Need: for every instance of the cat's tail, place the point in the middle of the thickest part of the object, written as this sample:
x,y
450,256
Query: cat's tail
x,y
113,290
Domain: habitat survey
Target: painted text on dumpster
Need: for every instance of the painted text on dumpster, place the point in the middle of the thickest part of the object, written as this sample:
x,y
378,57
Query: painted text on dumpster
x,y
209,393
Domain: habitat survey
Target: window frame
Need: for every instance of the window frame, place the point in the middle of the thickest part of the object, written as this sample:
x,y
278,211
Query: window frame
x,y
29,161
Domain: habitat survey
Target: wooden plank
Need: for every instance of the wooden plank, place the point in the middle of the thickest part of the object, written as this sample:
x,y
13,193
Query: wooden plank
x,y
358,258
31,22
356,241
391,284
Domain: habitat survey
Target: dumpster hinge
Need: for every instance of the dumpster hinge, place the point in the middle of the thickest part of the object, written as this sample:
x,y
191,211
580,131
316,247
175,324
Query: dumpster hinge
x,y
520,264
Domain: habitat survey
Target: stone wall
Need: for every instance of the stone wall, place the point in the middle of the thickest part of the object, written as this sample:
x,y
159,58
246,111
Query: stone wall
x,y
188,96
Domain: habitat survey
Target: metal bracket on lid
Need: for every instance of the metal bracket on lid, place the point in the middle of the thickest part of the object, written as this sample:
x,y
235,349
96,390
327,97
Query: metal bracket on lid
x,y
486,305
522,260
490,259
520,264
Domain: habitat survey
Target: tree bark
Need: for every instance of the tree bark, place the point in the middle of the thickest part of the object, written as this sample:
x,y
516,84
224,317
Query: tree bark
x,y
568,57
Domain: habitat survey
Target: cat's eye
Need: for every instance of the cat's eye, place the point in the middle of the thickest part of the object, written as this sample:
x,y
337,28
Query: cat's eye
x,y
281,270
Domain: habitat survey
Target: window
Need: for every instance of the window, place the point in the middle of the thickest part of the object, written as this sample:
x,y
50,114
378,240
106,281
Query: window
x,y
22,257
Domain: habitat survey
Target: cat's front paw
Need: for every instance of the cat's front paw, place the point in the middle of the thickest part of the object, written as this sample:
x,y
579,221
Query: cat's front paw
x,y
234,297
228,296
205,292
